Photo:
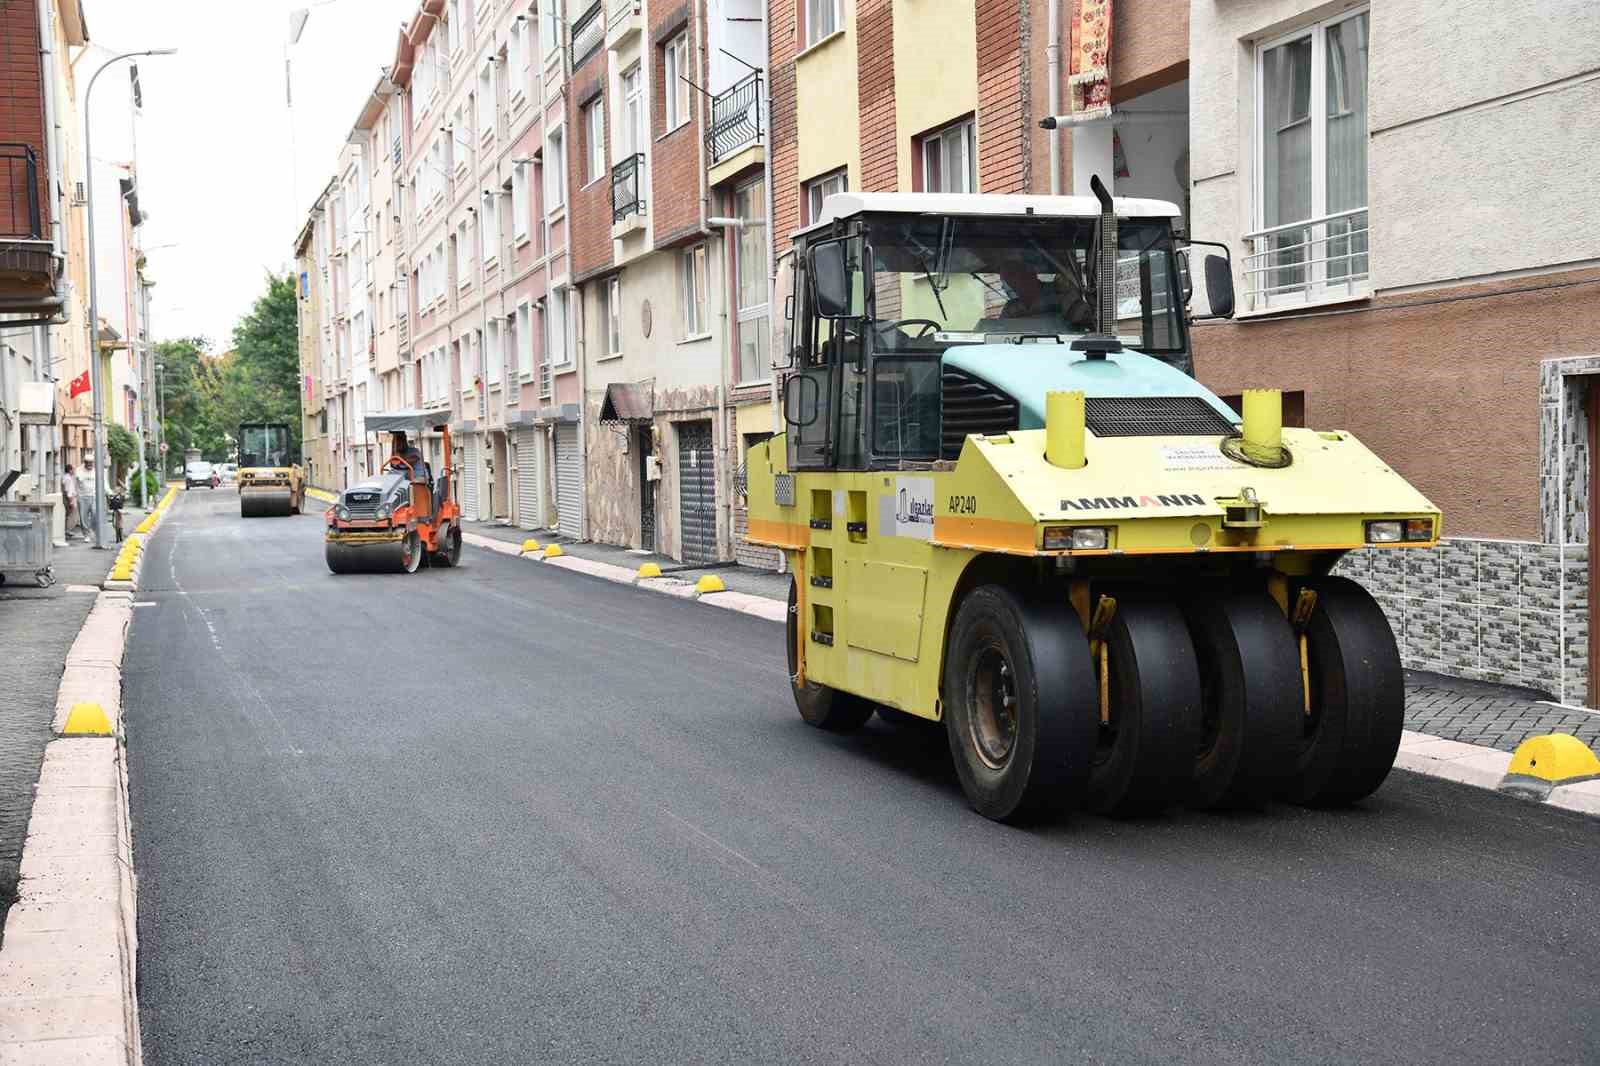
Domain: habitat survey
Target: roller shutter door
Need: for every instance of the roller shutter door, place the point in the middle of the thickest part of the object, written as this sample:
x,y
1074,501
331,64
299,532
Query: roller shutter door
x,y
528,444
569,481
469,476
697,492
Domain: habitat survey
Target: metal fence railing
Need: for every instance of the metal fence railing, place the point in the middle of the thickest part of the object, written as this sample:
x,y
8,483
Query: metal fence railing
x,y
1319,257
19,195
627,187
735,117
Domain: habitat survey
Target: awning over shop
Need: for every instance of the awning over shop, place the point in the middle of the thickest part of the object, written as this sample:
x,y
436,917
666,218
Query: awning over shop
x,y
628,404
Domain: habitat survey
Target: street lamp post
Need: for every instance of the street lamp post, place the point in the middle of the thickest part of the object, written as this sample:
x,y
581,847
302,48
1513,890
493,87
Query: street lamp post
x,y
95,383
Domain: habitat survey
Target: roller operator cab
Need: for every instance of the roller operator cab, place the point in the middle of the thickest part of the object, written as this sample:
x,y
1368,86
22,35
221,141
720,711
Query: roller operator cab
x,y
405,515
1009,507
270,478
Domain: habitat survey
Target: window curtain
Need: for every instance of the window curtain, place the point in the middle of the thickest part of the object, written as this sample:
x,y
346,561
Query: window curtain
x,y
1347,146
1286,150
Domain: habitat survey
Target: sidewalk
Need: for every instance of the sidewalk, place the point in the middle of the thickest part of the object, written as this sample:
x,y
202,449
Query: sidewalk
x,y
39,626
1473,712
737,578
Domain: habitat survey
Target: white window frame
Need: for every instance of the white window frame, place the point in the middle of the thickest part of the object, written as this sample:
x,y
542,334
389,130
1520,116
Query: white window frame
x,y
963,133
693,322
556,318
524,331
452,22
611,316
1318,289
550,22
826,185
485,117
594,161
493,354
516,62
463,254
489,227
834,21
520,213
555,169
675,66
751,316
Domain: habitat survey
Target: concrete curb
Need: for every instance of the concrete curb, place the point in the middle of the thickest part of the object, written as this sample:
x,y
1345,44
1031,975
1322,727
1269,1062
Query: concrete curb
x,y
743,602
322,494
68,988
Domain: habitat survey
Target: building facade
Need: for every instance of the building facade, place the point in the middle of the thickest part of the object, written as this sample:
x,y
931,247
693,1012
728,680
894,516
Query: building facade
x,y
1415,260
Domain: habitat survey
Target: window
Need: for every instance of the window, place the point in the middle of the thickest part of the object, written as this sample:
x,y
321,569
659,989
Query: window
x,y
674,69
821,19
819,190
489,228
1312,163
632,113
486,99
494,355
463,253
519,202
555,181
556,341
594,134
692,291
516,59
945,158
453,25
524,340
611,315
461,134
550,25
750,204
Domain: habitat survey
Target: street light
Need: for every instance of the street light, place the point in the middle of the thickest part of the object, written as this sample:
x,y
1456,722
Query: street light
x,y
95,383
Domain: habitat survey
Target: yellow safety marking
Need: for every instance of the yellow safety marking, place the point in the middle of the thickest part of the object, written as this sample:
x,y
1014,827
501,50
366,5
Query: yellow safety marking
x,y
530,545
985,534
649,570
709,583
87,720
318,494
789,535
1554,757
553,551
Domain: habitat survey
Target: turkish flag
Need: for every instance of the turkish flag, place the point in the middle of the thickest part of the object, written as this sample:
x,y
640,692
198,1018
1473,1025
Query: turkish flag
x,y
78,385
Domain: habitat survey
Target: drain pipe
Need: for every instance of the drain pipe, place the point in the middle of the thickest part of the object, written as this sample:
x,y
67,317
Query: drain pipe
x,y
1052,61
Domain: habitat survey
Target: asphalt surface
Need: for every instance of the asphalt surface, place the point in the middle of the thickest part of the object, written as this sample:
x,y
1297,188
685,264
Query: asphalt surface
x,y
509,813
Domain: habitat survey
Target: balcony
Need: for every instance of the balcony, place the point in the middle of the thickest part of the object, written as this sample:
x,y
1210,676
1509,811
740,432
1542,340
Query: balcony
x,y
622,17
1319,260
627,188
28,267
19,210
735,118
588,33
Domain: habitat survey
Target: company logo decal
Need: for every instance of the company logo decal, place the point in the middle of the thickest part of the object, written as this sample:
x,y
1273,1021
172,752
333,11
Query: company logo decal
x,y
913,507
1104,503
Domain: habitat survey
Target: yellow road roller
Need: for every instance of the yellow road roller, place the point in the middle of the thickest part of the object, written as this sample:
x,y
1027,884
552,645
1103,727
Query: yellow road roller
x,y
1009,508
271,481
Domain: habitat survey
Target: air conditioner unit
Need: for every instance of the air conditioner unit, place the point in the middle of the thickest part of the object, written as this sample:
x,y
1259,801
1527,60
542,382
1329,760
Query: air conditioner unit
x,y
79,194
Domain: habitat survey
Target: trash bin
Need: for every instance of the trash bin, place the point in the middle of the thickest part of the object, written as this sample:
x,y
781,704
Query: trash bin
x,y
25,547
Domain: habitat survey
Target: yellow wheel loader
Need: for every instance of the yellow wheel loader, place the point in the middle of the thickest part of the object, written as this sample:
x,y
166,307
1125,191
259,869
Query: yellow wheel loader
x,y
271,481
1009,507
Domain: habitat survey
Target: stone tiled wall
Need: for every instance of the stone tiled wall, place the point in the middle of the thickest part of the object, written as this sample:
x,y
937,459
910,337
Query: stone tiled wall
x,y
1487,609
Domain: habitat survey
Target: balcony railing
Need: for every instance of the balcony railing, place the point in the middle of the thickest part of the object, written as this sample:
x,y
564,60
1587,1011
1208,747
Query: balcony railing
x,y
1320,258
588,33
544,377
19,209
627,188
735,118
402,325
622,10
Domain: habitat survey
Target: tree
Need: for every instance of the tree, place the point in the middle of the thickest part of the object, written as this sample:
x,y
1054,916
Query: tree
x,y
189,387
262,381
123,449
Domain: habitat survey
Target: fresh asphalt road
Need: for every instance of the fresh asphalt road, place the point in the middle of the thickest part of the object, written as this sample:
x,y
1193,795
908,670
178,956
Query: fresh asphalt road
x,y
509,814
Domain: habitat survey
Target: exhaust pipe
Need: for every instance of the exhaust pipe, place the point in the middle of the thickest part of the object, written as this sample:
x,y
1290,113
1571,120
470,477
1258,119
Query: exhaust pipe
x,y
1106,280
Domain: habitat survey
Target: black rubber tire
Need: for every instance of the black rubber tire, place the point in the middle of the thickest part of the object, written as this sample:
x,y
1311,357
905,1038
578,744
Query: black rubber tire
x,y
337,556
1358,698
1045,764
451,555
1145,758
411,553
821,706
1250,696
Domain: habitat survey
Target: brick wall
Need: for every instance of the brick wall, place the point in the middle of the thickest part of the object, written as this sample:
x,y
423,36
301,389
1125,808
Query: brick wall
x,y
875,78
1005,111
590,204
783,144
21,116
675,178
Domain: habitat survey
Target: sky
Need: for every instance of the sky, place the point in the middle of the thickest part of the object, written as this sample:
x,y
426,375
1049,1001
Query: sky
x,y
220,176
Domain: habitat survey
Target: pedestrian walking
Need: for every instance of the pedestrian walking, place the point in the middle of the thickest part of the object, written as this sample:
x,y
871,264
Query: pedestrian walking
x,y
69,500
86,513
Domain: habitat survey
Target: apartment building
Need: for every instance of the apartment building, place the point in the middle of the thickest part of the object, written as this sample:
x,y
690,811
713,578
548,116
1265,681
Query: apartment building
x,y
44,340
1408,191
311,289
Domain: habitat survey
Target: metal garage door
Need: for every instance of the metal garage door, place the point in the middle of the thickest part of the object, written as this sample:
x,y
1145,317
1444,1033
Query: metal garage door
x,y
530,444
469,476
697,492
569,481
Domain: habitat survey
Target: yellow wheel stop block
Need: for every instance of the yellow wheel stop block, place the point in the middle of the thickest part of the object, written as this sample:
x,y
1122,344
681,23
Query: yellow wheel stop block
x,y
530,545
649,570
709,583
553,551
1541,763
87,720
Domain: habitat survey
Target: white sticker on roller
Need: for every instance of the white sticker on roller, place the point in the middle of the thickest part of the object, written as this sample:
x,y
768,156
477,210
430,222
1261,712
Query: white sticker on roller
x,y
913,507
1195,457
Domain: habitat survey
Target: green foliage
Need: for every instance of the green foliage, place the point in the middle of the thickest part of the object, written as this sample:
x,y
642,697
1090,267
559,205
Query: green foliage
x,y
152,486
123,448
262,382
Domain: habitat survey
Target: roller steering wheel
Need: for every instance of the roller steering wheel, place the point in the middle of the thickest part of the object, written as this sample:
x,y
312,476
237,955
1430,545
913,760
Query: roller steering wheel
x,y
398,460
928,325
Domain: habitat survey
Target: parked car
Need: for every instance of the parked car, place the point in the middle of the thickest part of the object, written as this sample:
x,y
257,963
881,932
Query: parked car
x,y
199,472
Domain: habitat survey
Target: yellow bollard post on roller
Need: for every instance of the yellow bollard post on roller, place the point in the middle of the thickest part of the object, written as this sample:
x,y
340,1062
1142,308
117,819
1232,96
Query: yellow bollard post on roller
x,y
1064,429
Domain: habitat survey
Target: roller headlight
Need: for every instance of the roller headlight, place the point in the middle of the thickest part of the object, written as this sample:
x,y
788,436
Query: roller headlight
x,y
343,512
383,511
1384,532
1077,538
